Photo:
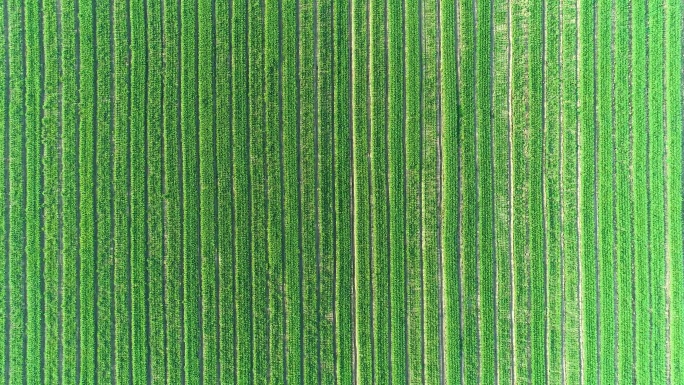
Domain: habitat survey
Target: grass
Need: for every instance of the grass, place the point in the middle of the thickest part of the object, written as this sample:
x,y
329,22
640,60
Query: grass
x,y
333,192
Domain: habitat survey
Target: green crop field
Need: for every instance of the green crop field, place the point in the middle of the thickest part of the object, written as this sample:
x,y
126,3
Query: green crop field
x,y
342,192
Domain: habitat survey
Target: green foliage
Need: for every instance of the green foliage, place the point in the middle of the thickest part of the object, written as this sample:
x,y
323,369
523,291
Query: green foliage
x,y
341,192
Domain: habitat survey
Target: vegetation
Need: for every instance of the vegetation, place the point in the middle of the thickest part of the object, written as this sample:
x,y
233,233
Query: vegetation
x,y
341,192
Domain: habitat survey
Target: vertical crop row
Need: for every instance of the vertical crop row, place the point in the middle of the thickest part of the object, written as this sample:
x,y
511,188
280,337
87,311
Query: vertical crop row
x,y
86,164
241,180
224,212
657,189
17,195
122,330
639,189
4,196
257,169
430,195
51,194
673,176
587,180
469,200
154,201
413,136
623,199
325,193
518,105
172,192
341,156
69,191
484,191
272,82
379,189
361,203
501,179
450,257
137,178
551,192
397,215
103,192
569,188
190,200
308,201
604,182
291,187
207,182
538,239
32,135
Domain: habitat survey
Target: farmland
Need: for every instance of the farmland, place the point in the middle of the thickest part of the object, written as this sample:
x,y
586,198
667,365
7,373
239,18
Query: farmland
x,y
342,192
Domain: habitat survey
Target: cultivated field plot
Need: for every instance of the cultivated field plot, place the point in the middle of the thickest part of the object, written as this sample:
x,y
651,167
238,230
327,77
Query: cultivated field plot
x,y
325,192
